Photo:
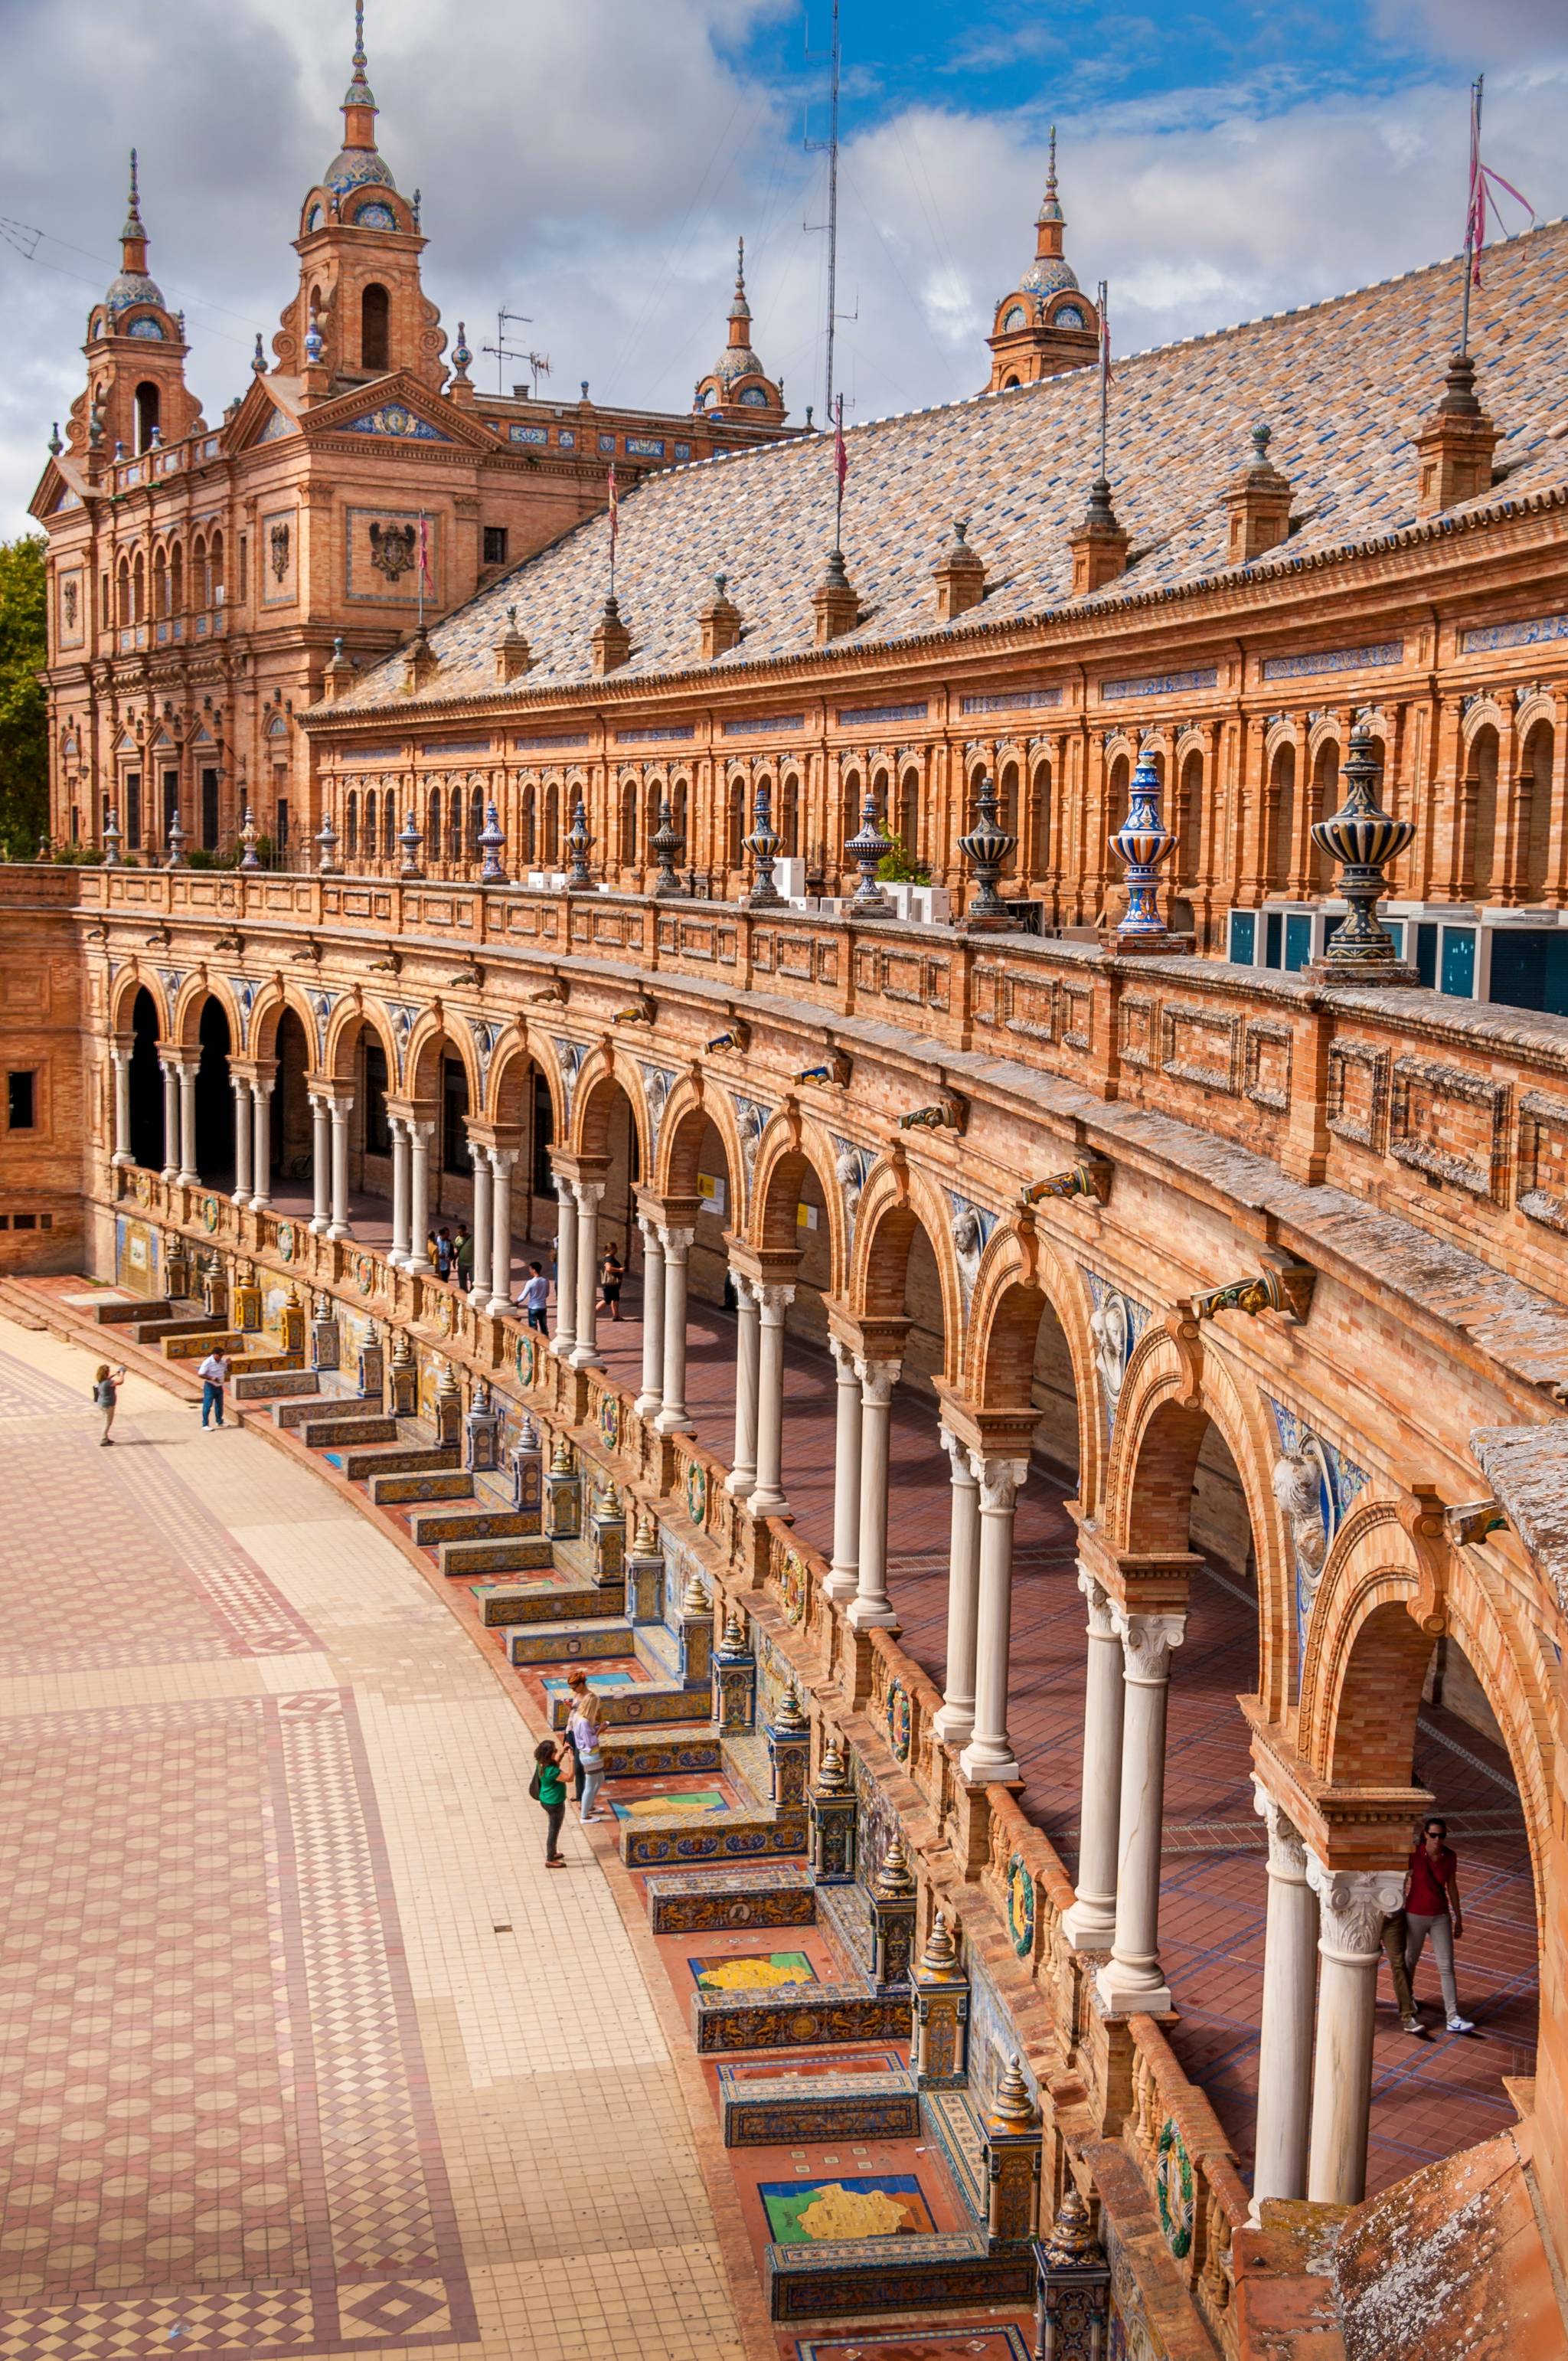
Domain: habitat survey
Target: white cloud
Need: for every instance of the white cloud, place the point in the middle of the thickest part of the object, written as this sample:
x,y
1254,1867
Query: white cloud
x,y
590,161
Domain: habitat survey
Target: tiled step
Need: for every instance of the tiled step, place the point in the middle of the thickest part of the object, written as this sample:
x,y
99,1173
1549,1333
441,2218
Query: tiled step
x,y
641,1705
182,1323
522,1604
195,1344
529,1553
475,1525
773,2110
410,1459
549,1643
799,2017
311,1408
837,2278
398,1490
275,1384
740,1835
334,1435
716,1900
651,1754
145,1311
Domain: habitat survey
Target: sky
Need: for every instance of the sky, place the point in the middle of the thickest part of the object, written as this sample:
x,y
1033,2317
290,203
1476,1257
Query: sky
x,y
591,163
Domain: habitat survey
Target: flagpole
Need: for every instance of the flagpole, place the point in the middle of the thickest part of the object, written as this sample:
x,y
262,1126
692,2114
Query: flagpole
x,y
1104,384
424,528
839,471
614,528
1475,195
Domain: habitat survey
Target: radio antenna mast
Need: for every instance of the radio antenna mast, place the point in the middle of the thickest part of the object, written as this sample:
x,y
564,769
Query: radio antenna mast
x,y
500,351
816,147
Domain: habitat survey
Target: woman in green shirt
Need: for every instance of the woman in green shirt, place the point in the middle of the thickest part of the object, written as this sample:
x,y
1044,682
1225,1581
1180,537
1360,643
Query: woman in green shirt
x,y
548,1788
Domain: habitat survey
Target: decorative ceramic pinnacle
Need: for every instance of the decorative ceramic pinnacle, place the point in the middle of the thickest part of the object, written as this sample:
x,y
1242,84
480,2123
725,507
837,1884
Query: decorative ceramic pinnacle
x,y
832,1772
327,840
561,1460
734,1641
865,848
445,1378
790,1714
491,840
248,835
986,848
693,1598
941,1955
647,1542
666,844
1141,843
764,844
1013,2106
1071,2238
258,359
176,843
1362,838
611,1509
411,842
579,844
894,1881
403,1351
461,355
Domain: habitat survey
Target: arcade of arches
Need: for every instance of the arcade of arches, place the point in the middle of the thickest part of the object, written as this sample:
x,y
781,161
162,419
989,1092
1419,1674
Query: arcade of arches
x,y
1177,1609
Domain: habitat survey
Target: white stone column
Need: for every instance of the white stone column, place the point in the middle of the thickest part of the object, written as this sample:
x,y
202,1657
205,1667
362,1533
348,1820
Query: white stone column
x,y
341,1110
650,1400
674,1418
954,1724
243,1125
501,1162
988,1754
1289,1995
1352,1906
844,1574
420,1138
1090,1923
480,1290
261,1165
585,1354
742,1480
321,1165
1131,1978
768,1499
564,1342
871,1606
122,1064
171,1119
398,1254
188,1122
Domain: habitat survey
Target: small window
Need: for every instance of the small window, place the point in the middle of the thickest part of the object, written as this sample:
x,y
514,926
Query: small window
x,y
21,1102
494,545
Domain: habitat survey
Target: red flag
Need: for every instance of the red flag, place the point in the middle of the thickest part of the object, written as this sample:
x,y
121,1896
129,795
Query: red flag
x,y
840,455
424,547
1104,332
1482,201
614,513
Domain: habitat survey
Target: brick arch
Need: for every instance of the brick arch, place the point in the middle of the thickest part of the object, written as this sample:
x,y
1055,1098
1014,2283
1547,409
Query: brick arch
x,y
1021,1276
1178,1385
422,1066
1326,732
123,994
266,1013
602,1075
896,1202
687,1114
516,1054
345,1025
1285,731
1540,706
1485,714
789,1148
187,1013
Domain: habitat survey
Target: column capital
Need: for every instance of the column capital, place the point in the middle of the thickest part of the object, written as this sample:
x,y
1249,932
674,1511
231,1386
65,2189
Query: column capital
x,y
676,1242
589,1195
332,1094
179,1060
1146,1643
843,1360
1352,1906
1102,1612
958,1452
878,1379
1286,1852
774,1301
651,1235
748,1294
1000,1480
502,1160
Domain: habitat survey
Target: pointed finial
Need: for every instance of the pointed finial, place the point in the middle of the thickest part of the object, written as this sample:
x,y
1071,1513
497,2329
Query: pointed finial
x,y
461,355
1051,167
1013,2106
693,1598
1261,434
55,446
941,1955
258,359
894,1881
734,1641
790,1714
360,57
832,1774
647,1543
740,261
136,191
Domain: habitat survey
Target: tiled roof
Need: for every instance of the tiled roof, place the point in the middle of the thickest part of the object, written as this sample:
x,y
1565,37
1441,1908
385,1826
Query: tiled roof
x,y
1344,384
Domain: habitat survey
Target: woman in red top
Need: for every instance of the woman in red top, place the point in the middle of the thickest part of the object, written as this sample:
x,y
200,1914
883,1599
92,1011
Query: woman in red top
x,y
1432,1908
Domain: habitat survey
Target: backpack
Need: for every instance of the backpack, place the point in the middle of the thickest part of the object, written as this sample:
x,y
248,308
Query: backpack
x,y
534,1782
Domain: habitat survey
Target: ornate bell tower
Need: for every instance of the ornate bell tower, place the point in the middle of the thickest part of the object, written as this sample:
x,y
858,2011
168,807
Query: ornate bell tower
x,y
360,313
136,395
737,386
1047,324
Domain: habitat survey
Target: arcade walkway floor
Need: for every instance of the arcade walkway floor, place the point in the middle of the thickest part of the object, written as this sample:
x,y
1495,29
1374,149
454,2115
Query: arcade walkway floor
x,y
301,2047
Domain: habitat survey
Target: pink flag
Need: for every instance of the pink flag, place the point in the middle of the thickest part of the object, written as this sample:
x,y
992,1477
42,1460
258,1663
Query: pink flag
x,y
840,452
1482,202
614,513
425,548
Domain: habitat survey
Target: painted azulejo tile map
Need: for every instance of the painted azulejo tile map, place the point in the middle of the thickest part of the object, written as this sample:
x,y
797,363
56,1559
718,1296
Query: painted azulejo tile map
x,y
872,2205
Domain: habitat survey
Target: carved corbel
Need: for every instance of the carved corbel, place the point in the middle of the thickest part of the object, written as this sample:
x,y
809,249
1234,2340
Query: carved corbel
x,y
1188,1338
1090,1177
948,1113
834,1069
553,991
794,1127
639,1011
160,938
391,965
1425,1518
468,979
1283,1285
310,957
736,1035
233,941
1465,1522
99,934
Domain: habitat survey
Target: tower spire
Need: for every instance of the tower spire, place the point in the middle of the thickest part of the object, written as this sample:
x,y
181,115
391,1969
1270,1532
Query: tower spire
x,y
133,237
1050,222
359,101
739,310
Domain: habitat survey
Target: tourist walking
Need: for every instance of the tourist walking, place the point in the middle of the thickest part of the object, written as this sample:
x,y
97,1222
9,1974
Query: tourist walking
x,y
1433,1909
612,1270
443,1254
535,1298
1396,1932
576,1691
583,1730
548,1788
107,1387
463,1256
213,1373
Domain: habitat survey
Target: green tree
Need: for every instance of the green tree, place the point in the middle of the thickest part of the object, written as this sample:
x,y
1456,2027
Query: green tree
x,y
24,733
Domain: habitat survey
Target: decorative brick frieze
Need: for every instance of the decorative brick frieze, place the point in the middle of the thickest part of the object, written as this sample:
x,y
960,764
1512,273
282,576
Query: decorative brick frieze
x,y
1137,1022
1267,1065
1201,1046
1451,1124
1544,1160
1358,1093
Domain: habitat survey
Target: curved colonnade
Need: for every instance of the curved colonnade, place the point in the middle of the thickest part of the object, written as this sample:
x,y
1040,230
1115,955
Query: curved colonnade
x,y
1170,1303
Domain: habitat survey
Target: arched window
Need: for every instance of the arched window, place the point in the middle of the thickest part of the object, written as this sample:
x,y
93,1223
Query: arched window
x,y
678,818
433,825
389,824
375,320
656,794
351,826
177,579
123,591
1281,812
454,825
1187,821
476,820
909,814
552,827
1039,854
788,819
138,590
1481,777
1117,795
147,415
628,823
1007,807
370,825
160,582
530,828
852,802
1535,772
216,571
737,850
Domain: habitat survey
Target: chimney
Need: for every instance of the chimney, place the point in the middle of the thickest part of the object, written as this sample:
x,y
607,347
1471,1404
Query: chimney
x,y
720,621
1099,547
1258,505
512,655
612,641
834,602
339,673
1456,444
420,661
960,575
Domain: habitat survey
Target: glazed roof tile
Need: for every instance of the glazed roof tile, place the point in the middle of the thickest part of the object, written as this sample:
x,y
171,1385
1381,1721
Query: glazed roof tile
x,y
1344,385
